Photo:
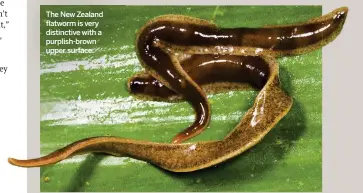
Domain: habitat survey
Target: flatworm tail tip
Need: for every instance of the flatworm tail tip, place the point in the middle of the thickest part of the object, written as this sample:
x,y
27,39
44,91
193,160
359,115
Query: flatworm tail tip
x,y
345,9
342,11
23,163
14,162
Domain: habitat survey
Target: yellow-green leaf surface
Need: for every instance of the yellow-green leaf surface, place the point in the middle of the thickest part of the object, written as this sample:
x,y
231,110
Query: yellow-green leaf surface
x,y
84,95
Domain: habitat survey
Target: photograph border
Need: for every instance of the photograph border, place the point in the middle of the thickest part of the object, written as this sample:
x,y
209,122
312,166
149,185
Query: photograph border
x,y
340,116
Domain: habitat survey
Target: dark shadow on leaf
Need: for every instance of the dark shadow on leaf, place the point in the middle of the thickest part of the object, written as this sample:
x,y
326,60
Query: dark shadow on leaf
x,y
84,173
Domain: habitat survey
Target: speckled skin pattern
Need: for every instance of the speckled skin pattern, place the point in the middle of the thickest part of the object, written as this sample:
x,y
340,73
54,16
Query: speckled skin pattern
x,y
185,58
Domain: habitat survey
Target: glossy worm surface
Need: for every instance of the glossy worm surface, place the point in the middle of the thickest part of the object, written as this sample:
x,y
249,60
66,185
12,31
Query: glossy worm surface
x,y
185,58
